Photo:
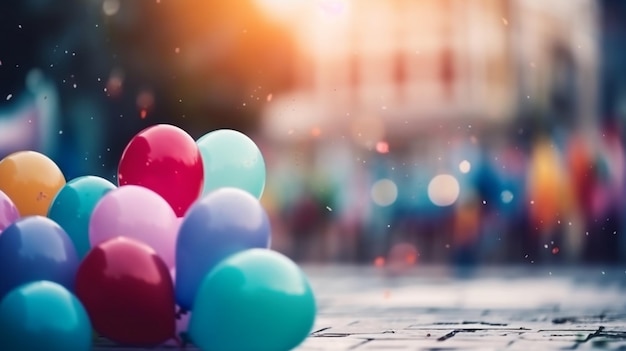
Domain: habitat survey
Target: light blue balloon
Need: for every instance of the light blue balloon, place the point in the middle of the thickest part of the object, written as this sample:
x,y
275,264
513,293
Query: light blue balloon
x,y
222,223
231,159
42,316
73,205
253,300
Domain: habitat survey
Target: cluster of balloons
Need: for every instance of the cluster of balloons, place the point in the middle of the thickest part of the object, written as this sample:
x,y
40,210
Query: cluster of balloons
x,y
178,251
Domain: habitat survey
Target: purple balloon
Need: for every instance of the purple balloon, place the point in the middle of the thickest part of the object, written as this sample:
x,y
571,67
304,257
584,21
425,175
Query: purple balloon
x,y
8,212
222,223
139,213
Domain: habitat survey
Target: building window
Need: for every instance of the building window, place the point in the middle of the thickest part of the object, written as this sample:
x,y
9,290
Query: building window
x,y
447,73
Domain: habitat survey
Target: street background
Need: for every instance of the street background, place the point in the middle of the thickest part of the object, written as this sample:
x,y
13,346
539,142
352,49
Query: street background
x,y
395,132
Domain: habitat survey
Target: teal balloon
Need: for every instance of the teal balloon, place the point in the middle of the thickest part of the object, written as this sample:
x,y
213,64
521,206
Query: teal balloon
x,y
73,205
231,159
257,299
43,316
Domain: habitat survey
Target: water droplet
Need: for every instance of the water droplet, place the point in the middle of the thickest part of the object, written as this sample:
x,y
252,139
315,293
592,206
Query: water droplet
x,y
329,209
60,132
9,97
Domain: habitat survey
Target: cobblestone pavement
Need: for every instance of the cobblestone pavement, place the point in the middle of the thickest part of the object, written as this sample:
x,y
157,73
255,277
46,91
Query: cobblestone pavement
x,y
491,309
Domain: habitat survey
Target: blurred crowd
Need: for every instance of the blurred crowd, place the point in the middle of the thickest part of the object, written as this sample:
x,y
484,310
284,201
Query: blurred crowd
x,y
549,197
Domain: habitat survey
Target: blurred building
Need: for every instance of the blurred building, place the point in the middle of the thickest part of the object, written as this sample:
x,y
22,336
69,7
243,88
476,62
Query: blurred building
x,y
415,64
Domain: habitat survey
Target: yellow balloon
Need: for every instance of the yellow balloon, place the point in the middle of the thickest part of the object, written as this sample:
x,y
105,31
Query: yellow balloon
x,y
31,180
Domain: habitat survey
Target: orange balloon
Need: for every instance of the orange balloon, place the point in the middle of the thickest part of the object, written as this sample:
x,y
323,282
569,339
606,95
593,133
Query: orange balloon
x,y
31,180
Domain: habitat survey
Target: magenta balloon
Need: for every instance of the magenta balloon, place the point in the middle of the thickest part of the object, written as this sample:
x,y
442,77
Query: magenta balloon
x,y
8,212
139,213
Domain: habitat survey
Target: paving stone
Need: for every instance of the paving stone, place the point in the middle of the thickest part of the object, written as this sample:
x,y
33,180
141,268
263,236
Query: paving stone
x,y
508,309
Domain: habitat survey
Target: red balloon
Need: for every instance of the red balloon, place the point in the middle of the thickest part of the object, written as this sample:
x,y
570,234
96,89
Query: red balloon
x,y
128,293
165,159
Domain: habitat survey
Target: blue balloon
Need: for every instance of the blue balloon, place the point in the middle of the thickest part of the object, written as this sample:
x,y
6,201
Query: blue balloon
x,y
43,316
36,248
223,222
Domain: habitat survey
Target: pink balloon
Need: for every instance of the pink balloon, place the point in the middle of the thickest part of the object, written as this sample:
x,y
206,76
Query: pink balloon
x,y
177,223
8,212
138,213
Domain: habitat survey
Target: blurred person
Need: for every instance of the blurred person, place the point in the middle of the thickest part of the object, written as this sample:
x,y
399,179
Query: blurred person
x,y
597,167
550,195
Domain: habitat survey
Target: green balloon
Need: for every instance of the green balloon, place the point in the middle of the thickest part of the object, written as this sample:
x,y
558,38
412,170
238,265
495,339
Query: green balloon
x,y
73,205
257,299
231,159
43,316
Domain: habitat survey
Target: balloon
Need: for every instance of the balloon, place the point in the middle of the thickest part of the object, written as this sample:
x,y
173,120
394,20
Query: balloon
x,y
128,293
8,212
166,159
139,213
257,299
31,180
43,315
231,159
223,222
36,248
182,321
73,205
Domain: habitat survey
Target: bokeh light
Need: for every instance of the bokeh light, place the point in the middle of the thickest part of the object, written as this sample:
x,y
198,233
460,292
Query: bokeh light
x,y
110,7
506,196
384,192
465,166
443,190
